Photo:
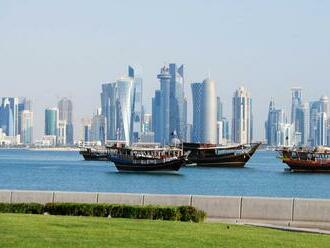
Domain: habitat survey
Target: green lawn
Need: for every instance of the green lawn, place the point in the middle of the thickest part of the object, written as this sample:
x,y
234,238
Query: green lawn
x,y
21,230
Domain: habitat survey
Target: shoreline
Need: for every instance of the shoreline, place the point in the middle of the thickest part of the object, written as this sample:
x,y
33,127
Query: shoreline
x,y
64,149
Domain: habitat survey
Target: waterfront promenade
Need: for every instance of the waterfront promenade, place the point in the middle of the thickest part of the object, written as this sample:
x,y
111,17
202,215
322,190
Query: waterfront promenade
x,y
292,212
261,193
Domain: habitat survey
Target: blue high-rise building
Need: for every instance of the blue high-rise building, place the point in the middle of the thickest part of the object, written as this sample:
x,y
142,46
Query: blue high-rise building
x,y
165,106
109,109
137,108
51,121
9,116
121,104
178,102
156,116
172,105
197,96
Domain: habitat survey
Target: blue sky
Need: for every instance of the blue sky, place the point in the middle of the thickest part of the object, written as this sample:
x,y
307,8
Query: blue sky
x,y
50,49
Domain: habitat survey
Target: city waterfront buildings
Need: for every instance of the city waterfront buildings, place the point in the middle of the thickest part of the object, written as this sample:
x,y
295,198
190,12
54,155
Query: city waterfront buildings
x,y
121,104
242,121
172,104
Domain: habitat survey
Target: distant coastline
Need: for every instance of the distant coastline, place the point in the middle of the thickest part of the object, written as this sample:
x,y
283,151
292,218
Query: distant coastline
x,y
64,149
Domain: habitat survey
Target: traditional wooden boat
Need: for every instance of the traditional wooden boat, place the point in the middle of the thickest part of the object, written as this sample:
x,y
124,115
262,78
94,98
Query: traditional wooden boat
x,y
90,153
210,155
306,159
147,159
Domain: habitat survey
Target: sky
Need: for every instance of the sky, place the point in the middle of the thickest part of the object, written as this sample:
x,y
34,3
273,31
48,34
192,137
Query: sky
x,y
54,49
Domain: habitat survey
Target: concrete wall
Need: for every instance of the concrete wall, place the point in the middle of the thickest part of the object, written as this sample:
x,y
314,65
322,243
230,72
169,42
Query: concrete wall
x,y
257,208
311,210
219,206
32,196
5,196
167,200
120,198
293,211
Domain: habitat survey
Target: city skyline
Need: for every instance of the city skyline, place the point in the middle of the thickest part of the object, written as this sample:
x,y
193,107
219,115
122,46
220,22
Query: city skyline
x,y
45,58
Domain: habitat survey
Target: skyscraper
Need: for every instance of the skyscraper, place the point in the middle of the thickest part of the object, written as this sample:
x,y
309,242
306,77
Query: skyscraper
x,y
173,105
121,104
125,93
296,101
23,104
51,121
109,109
197,96
9,116
164,120
275,123
26,127
315,110
178,102
209,112
61,133
137,109
302,123
322,129
219,109
156,115
242,117
97,128
65,116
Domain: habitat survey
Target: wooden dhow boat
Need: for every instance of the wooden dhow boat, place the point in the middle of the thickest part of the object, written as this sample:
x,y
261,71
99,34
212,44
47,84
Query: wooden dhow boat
x,y
304,159
210,155
146,159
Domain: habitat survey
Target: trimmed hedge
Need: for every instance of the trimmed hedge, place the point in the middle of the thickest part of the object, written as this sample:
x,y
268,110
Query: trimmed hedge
x,y
183,213
24,208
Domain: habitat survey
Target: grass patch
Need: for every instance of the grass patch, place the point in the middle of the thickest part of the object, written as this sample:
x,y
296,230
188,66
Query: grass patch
x,y
23,230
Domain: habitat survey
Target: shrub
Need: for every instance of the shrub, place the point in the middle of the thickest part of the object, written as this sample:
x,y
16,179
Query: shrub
x,y
188,213
184,213
23,208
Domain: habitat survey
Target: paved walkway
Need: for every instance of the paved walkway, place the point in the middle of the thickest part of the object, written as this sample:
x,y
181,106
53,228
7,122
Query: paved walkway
x,y
280,225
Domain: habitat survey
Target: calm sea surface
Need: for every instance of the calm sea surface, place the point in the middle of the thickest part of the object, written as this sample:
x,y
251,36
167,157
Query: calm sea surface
x,y
264,175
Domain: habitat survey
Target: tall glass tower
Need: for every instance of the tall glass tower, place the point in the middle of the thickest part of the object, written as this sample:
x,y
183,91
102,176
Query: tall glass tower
x,y
197,90
125,93
65,115
51,121
242,127
164,120
178,112
109,109
9,116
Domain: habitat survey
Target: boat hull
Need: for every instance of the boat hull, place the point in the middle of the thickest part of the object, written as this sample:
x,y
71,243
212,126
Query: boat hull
x,y
307,166
94,156
127,166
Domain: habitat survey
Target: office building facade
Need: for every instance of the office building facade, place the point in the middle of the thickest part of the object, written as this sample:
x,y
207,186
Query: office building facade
x,y
242,120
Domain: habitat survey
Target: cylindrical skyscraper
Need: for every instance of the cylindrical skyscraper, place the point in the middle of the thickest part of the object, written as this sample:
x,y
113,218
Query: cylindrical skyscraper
x,y
209,112
164,122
